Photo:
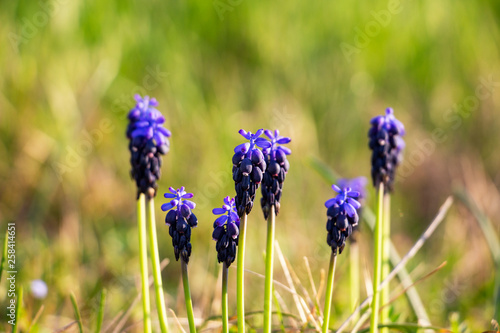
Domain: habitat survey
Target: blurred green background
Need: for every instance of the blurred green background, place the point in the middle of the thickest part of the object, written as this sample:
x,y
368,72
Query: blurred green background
x,y
318,71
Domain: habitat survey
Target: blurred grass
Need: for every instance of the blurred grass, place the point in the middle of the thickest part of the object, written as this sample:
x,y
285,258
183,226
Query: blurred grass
x,y
275,65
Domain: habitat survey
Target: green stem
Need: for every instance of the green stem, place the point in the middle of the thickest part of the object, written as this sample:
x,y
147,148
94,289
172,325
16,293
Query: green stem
x,y
378,259
329,292
354,276
143,256
386,253
153,248
240,278
187,296
225,324
268,290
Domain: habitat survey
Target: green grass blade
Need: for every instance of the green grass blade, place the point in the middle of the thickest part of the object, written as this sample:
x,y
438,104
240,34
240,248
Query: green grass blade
x,y
78,317
4,254
491,238
18,309
100,313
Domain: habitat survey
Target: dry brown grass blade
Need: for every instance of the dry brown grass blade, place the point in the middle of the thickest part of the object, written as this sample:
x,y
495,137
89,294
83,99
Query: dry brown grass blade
x,y
413,251
309,306
290,282
414,284
284,308
310,316
322,281
313,287
366,315
37,316
65,328
177,321
125,316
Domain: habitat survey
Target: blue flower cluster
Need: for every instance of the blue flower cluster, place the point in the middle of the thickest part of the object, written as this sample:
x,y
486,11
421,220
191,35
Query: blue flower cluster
x,y
386,144
357,184
180,220
342,217
274,176
148,141
226,231
248,169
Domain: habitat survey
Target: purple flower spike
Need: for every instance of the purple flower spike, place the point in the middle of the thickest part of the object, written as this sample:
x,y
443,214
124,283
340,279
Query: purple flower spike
x,y
277,168
386,144
180,220
248,169
342,217
226,231
148,141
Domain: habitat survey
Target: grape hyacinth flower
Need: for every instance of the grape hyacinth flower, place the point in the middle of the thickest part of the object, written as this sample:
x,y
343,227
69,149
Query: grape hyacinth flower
x,y
342,217
148,141
386,144
274,176
180,221
248,169
226,231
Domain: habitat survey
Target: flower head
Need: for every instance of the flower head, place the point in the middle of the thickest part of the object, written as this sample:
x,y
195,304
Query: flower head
x,y
342,217
180,220
248,169
148,141
226,231
274,176
386,144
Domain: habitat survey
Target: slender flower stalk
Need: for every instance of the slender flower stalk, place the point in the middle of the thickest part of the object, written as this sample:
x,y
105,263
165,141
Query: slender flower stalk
x,y
187,296
225,315
329,292
248,172
268,289
143,255
342,218
386,144
277,167
354,276
240,275
181,220
226,232
386,265
377,274
153,248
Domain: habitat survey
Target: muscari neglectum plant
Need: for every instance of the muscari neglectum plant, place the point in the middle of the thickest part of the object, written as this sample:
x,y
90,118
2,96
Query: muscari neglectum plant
x,y
357,184
277,166
342,218
386,143
226,232
148,140
180,220
248,171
